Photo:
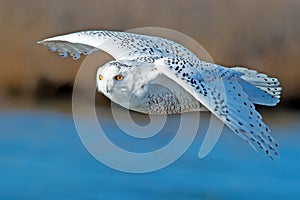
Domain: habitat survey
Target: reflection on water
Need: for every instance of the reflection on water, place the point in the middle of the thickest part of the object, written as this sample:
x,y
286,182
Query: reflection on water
x,y
41,156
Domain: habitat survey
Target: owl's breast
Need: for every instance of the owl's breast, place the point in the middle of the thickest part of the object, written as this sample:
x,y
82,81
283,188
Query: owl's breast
x,y
163,99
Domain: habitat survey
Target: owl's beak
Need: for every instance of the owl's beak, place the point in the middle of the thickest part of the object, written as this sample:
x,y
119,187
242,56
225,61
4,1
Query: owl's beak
x,y
109,86
107,89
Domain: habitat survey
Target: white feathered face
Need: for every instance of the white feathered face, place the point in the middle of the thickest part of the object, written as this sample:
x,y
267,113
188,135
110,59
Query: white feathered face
x,y
116,80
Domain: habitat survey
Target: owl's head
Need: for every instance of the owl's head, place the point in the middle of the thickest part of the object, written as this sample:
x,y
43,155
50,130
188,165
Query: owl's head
x,y
119,80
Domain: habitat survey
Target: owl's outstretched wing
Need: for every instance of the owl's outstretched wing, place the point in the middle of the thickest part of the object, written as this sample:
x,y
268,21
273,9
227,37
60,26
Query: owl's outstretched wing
x,y
218,89
115,43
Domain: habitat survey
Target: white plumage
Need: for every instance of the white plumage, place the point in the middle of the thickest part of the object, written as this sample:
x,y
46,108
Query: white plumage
x,y
158,76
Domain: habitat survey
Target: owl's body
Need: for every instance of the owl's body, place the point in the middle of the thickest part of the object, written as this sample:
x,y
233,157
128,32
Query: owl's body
x,y
153,93
158,76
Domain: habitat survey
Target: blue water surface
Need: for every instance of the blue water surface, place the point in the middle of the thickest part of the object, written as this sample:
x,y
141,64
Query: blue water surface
x,y
42,157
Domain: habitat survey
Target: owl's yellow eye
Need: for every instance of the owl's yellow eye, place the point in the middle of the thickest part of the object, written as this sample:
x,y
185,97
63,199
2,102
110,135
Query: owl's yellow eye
x,y
119,77
100,77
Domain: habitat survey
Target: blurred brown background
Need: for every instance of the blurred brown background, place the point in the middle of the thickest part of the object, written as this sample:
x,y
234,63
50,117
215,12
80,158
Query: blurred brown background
x,y
263,35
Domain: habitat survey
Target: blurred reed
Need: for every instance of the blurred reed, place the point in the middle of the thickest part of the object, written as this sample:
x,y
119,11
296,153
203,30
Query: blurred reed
x,y
263,35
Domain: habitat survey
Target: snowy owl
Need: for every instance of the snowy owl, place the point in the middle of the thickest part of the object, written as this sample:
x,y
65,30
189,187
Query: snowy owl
x,y
158,76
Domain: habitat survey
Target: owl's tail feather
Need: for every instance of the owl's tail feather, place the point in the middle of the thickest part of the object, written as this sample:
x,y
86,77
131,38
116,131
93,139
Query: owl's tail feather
x,y
260,88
